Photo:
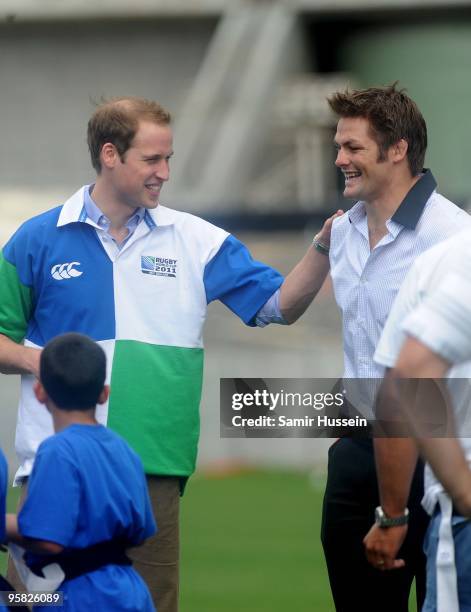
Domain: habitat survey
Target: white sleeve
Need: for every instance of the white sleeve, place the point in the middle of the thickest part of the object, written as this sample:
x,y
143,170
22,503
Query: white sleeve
x,y
392,337
443,321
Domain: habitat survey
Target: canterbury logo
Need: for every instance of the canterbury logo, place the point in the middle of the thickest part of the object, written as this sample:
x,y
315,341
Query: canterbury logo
x,y
66,270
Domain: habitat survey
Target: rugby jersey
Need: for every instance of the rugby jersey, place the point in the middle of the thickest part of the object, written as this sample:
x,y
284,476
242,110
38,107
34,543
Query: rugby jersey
x,y
145,305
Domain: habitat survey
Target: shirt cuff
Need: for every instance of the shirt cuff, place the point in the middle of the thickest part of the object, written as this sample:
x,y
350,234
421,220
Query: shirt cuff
x,y
270,312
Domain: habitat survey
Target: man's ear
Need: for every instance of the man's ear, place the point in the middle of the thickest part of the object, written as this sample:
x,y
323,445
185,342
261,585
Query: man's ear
x,y
109,155
399,150
40,392
104,395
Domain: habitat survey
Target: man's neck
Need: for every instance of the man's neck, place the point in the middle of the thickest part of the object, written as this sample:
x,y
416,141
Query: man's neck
x,y
117,213
382,208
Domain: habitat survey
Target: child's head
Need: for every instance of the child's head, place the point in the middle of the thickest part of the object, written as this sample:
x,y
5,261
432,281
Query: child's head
x,y
72,372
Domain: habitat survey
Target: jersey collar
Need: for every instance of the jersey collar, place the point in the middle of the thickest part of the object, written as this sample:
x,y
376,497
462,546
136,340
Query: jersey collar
x,y
73,211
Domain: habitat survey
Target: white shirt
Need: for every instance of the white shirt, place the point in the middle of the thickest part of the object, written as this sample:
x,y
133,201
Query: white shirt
x,y
367,281
434,306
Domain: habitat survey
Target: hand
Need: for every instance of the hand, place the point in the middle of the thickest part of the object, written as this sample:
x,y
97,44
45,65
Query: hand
x,y
382,545
324,235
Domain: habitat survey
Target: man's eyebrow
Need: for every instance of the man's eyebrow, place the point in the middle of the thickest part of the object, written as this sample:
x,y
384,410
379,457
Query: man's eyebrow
x,y
157,155
350,142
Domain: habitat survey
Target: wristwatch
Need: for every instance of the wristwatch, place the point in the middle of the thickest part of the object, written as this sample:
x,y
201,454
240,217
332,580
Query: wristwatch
x,y
383,520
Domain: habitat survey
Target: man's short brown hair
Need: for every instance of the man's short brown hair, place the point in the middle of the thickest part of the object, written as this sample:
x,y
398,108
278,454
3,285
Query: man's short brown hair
x,y
117,121
392,116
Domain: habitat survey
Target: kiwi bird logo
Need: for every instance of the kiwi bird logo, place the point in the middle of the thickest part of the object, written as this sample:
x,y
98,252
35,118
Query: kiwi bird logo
x,y
65,270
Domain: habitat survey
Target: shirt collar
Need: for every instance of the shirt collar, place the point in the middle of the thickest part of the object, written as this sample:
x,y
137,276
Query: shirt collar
x,y
95,214
411,207
74,210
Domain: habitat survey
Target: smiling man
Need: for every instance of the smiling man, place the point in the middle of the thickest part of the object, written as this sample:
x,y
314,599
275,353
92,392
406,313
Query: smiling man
x,y
115,264
381,140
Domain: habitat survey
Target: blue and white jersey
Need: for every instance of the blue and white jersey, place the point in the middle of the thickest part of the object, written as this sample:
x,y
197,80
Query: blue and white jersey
x,y
146,306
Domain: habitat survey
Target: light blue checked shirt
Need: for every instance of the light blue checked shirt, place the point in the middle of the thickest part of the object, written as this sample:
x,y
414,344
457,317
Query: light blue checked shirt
x,y
96,215
366,281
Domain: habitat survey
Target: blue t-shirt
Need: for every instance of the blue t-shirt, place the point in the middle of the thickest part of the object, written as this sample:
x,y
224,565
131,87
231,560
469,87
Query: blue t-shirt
x,y
3,499
3,493
87,486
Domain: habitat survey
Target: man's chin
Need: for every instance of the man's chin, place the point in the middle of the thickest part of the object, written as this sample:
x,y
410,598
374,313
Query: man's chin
x,y
351,193
151,204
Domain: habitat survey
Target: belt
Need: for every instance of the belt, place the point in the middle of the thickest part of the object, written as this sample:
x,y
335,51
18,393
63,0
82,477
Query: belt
x,y
78,561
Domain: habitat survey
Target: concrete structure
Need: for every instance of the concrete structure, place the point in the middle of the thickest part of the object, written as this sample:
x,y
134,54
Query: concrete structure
x,y
231,72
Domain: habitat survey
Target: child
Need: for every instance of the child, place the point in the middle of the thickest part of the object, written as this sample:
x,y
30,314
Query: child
x,y
4,586
87,497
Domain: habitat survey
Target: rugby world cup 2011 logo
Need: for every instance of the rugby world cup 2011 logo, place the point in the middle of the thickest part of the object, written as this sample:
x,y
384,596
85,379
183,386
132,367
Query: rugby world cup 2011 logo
x,y
159,266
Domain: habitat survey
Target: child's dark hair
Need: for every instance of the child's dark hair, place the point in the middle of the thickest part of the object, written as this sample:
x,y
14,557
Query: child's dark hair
x,y
72,370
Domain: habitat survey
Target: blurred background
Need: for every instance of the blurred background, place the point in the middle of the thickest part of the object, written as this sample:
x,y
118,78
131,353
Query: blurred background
x,y
246,82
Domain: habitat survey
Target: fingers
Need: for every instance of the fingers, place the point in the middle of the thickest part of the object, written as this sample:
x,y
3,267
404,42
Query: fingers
x,y
384,562
324,234
381,550
330,220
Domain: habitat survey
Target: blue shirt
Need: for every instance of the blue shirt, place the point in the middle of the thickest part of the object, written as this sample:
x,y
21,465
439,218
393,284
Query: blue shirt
x,y
3,498
87,486
3,494
95,214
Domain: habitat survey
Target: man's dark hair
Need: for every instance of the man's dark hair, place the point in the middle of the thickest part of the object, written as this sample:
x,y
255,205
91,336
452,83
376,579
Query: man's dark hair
x,y
117,121
392,115
72,370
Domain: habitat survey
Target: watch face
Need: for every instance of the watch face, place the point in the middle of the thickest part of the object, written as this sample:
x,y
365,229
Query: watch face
x,y
379,514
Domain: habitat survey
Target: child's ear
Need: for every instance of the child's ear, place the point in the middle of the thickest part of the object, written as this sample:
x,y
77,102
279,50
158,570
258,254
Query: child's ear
x,y
104,395
40,392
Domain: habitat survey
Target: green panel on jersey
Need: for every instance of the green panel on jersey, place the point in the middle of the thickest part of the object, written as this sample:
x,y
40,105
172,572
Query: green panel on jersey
x,y
154,403
15,302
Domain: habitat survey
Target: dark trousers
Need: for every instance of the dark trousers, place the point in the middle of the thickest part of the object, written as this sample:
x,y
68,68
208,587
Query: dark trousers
x,y
350,499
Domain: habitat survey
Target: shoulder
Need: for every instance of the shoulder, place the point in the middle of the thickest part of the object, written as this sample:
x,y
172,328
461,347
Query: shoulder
x,y
342,224
198,236
444,214
188,223
34,231
122,447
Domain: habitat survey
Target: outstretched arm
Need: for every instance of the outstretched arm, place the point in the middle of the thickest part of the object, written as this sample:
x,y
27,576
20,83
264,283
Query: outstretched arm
x,y
303,282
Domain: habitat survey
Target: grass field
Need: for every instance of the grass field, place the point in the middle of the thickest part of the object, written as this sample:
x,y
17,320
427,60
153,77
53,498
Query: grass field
x,y
250,541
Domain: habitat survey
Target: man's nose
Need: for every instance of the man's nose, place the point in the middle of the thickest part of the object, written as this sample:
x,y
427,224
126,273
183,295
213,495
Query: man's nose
x,y
341,159
163,170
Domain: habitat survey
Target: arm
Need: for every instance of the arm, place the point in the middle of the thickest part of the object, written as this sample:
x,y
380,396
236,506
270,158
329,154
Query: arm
x,y
395,459
303,283
445,455
18,359
41,547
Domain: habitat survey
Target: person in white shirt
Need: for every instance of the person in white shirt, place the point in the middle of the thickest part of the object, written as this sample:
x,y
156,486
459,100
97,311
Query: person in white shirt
x,y
381,140
428,335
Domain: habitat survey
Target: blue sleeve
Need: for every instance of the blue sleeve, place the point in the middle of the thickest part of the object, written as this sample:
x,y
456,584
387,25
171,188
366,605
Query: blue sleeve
x,y
241,283
51,509
3,494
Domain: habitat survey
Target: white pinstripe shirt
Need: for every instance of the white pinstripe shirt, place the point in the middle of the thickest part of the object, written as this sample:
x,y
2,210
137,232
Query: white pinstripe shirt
x,y
366,282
